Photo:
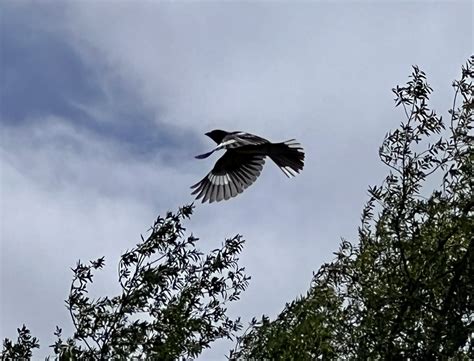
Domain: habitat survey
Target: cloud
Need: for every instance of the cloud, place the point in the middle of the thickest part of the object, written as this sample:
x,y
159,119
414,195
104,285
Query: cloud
x,y
106,106
204,65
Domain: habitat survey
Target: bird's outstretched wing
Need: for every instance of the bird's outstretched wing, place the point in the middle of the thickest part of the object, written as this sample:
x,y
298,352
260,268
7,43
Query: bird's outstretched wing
x,y
235,140
232,173
240,139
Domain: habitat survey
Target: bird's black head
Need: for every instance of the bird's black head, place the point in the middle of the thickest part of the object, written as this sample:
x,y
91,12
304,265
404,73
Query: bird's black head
x,y
217,135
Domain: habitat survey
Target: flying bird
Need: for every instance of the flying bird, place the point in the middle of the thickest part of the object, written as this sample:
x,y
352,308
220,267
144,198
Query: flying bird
x,y
242,163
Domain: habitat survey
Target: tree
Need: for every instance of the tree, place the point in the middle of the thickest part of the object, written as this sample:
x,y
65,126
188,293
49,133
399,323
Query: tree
x,y
171,305
405,290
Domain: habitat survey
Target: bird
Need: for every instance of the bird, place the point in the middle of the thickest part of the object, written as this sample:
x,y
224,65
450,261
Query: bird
x,y
242,163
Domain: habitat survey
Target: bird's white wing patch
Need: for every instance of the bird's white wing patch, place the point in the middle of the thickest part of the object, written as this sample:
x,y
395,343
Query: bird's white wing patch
x,y
219,179
226,144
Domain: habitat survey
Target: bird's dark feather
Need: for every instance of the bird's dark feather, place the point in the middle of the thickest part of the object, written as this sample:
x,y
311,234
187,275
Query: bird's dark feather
x,y
241,169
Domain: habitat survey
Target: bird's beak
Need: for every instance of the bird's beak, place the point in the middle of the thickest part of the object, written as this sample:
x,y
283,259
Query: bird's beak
x,y
207,133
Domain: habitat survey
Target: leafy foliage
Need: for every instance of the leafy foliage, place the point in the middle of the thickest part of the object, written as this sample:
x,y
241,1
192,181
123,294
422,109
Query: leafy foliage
x,y
172,303
406,288
23,347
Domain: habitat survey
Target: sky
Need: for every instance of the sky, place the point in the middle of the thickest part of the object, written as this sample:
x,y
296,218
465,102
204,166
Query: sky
x,y
105,104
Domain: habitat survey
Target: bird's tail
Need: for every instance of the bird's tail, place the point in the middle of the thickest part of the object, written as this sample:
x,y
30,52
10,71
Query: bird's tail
x,y
289,156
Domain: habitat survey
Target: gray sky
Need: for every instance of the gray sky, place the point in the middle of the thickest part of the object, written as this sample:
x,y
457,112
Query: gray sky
x,y
104,105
